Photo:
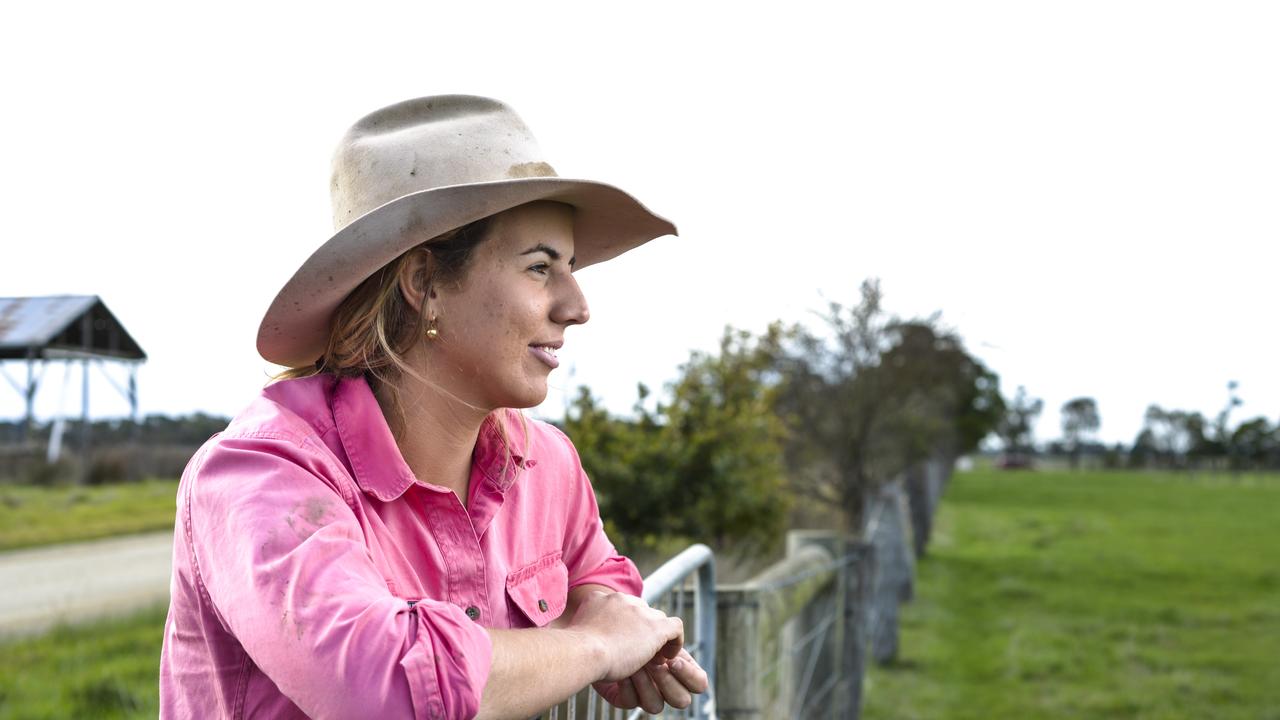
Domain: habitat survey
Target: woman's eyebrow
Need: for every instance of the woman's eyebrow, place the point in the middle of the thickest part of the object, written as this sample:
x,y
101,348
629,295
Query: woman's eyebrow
x,y
550,251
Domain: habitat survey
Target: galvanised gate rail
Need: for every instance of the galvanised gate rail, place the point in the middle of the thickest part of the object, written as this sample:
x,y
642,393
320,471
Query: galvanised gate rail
x,y
668,589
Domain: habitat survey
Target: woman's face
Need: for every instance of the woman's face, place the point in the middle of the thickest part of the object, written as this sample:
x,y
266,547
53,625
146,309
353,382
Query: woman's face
x,y
500,328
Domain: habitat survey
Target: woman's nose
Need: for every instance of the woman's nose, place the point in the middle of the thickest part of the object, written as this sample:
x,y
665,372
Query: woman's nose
x,y
571,307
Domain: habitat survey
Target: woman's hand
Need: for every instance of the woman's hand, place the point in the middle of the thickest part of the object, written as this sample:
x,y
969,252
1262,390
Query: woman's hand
x,y
626,632
661,681
670,676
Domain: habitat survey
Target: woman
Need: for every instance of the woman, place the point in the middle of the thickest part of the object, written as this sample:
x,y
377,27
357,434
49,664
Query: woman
x,y
381,533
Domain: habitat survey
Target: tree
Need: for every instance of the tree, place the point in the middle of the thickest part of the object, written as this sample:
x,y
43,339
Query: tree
x,y
1178,435
1079,419
1145,451
624,459
707,464
1217,444
1015,428
726,445
1252,443
834,402
956,398
871,395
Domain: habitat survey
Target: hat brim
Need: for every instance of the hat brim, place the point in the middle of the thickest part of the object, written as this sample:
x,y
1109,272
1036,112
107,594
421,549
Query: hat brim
x,y
295,330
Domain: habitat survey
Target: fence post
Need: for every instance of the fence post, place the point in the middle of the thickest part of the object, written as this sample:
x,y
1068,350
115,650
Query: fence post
x,y
827,667
918,499
893,570
857,580
740,654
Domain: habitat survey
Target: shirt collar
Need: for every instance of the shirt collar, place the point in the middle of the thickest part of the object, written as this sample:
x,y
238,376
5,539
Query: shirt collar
x,y
380,469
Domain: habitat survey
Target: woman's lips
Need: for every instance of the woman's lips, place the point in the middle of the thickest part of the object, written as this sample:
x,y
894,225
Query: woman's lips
x,y
544,354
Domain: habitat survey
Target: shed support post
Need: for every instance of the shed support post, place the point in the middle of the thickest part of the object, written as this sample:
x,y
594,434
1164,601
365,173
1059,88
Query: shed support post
x,y
86,341
133,401
28,419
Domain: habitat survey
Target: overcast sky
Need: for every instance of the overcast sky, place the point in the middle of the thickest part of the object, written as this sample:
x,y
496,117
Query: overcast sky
x,y
1087,191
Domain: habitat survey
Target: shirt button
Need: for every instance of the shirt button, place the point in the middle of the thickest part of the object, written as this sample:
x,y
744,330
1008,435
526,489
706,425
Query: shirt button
x,y
473,612
542,605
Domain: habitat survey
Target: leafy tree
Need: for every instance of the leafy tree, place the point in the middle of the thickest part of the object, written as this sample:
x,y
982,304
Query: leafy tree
x,y
956,398
1217,442
1144,451
1016,427
727,445
870,396
706,464
1253,443
1178,435
833,397
626,463
1079,419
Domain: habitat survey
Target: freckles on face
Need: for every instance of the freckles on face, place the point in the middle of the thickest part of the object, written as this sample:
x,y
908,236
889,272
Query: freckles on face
x,y
505,305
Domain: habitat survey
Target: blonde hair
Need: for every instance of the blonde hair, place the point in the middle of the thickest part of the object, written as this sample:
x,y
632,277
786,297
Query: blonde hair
x,y
374,327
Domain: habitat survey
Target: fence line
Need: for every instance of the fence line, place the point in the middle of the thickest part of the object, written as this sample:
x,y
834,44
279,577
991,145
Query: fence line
x,y
793,641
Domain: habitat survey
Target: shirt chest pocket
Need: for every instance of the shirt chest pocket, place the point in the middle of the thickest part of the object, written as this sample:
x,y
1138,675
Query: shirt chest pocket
x,y
538,591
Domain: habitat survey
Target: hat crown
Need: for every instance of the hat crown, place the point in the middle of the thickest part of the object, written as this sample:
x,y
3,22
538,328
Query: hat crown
x,y
428,143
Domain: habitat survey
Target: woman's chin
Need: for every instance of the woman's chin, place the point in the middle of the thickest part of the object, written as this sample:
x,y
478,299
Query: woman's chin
x,y
527,397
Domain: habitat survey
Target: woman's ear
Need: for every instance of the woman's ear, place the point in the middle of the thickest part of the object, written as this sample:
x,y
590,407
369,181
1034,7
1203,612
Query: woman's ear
x,y
414,279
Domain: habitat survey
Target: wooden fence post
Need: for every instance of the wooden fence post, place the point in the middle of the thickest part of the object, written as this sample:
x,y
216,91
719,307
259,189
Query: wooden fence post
x,y
893,570
856,580
827,666
739,656
918,499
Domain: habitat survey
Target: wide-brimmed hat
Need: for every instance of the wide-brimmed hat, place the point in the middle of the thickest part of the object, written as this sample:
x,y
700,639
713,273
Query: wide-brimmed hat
x,y
412,171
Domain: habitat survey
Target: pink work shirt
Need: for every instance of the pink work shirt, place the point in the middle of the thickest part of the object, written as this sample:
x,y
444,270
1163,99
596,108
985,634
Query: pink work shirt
x,y
314,575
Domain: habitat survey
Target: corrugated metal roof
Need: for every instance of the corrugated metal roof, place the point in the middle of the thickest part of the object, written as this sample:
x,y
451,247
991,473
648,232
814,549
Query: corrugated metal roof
x,y
60,326
34,321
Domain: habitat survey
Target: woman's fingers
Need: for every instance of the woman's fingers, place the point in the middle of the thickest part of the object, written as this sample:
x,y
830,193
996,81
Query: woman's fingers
x,y
647,692
621,694
659,683
688,672
673,691
627,697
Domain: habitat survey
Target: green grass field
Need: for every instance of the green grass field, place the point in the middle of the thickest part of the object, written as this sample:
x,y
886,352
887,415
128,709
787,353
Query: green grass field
x,y
106,670
1093,595
1045,595
44,515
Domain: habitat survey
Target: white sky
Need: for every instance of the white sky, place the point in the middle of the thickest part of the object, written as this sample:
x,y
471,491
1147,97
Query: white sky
x,y
1086,190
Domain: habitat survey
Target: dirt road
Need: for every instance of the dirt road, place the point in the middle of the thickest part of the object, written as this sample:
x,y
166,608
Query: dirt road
x,y
82,581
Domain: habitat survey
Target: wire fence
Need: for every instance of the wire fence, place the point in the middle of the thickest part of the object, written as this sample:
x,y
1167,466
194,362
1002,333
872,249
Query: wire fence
x,y
793,641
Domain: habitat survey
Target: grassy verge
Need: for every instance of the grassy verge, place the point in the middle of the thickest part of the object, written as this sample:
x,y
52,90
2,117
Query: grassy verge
x,y
43,515
107,670
1093,595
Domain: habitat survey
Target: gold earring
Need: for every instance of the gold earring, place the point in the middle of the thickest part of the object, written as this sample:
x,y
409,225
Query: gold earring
x,y
432,331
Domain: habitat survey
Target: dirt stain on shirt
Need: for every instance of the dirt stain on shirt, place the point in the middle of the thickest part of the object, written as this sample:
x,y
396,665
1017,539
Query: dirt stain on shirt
x,y
308,516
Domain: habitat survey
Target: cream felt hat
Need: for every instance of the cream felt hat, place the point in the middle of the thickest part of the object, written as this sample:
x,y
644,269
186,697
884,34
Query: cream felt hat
x,y
412,171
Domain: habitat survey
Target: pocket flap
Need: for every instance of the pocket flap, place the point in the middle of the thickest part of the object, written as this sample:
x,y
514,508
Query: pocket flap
x,y
540,589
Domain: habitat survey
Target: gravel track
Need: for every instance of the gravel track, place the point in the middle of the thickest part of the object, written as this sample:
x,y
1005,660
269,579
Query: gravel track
x,y
75,582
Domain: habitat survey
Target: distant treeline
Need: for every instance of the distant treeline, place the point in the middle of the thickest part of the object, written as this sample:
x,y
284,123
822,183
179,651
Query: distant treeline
x,y
1169,439
154,429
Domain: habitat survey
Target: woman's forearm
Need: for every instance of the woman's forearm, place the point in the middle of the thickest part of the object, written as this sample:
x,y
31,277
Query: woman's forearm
x,y
537,668
610,637
575,598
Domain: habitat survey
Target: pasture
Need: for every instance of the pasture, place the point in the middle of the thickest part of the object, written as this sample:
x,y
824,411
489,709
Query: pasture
x,y
1093,595
1044,595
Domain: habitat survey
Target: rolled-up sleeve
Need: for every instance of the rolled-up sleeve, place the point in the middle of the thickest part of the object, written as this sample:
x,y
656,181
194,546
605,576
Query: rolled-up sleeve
x,y
588,552
280,557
